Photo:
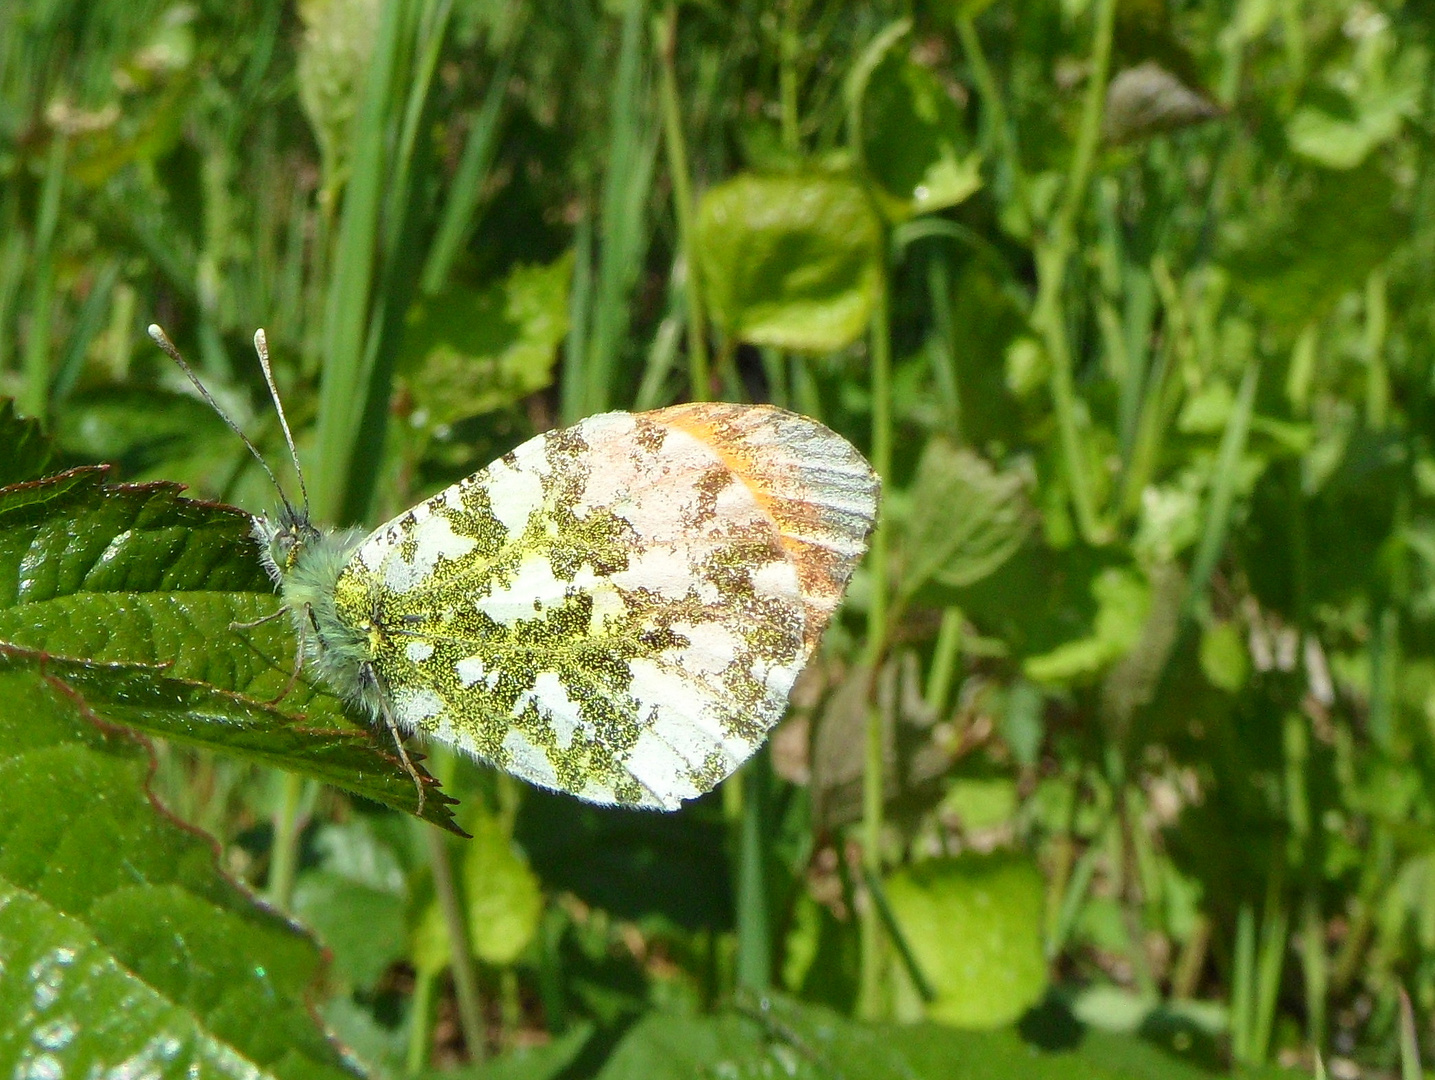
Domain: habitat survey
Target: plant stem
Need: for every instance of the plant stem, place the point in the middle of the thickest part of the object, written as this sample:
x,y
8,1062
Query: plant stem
x,y
995,108
754,934
665,32
1053,253
470,1011
420,1010
284,853
347,313
792,11
35,398
872,773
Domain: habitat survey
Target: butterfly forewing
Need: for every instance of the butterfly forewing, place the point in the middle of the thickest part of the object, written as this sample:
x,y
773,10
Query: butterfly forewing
x,y
617,609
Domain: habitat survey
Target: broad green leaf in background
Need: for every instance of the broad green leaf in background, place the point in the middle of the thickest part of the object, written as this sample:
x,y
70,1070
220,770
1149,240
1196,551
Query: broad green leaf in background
x,y
914,142
779,1037
151,433
505,900
355,901
974,925
1360,106
967,519
139,587
123,946
1123,599
1318,236
27,451
790,261
469,351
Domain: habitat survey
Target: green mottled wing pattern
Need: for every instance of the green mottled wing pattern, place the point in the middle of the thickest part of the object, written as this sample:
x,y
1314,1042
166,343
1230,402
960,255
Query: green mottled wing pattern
x,y
618,609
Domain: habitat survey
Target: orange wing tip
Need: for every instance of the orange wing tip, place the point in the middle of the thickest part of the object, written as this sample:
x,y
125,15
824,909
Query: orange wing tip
x,y
819,491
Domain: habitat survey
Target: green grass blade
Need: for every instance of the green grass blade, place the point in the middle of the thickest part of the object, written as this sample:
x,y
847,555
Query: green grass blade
x,y
342,389
35,398
473,171
1223,492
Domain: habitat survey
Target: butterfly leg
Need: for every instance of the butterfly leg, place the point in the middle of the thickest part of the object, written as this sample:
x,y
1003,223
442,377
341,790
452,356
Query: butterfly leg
x,y
293,675
261,620
367,674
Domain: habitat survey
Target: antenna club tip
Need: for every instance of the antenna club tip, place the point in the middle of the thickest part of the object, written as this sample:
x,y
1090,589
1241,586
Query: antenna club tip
x,y
260,341
156,331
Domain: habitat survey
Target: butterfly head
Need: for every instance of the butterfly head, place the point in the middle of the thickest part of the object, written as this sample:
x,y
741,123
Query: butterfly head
x,y
283,538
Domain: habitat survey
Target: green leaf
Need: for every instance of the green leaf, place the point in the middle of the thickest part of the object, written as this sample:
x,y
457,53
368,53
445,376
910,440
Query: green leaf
x,y
355,901
1320,236
122,943
470,351
914,142
790,261
1123,599
967,518
994,969
505,901
137,588
26,449
778,1037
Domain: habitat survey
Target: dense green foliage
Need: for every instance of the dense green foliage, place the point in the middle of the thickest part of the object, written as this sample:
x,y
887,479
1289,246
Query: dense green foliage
x,y
1120,761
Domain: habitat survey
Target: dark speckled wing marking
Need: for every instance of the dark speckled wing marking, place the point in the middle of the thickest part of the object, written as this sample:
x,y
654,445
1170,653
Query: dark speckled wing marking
x,y
618,609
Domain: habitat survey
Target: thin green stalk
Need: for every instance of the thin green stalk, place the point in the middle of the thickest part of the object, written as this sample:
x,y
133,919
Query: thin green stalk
x,y
945,656
1053,254
805,396
665,33
914,970
13,258
627,181
942,344
284,852
774,369
754,932
788,46
1274,923
995,112
465,982
580,314
466,189
1409,1041
1078,885
1377,377
420,1023
1315,967
1223,491
1186,975
1384,648
35,393
873,765
87,325
1243,980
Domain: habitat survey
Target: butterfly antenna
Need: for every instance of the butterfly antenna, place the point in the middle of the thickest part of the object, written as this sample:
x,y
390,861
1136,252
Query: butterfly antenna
x,y
261,346
162,340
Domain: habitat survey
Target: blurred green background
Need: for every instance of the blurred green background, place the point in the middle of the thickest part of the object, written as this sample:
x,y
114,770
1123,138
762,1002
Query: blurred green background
x,y
1120,760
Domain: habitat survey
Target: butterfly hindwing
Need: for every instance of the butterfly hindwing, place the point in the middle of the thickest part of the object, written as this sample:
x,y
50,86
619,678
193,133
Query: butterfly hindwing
x,y
617,609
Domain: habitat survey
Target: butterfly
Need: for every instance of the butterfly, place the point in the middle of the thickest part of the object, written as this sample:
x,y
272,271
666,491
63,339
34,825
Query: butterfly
x,y
617,609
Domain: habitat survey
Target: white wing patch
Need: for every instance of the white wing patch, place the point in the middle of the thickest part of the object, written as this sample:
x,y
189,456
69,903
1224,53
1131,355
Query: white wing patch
x,y
618,609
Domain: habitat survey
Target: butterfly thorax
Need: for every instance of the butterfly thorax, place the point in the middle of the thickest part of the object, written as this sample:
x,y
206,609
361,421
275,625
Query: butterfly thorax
x,y
305,562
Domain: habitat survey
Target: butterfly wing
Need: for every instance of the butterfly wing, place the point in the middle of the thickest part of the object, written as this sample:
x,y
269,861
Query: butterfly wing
x,y
617,609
